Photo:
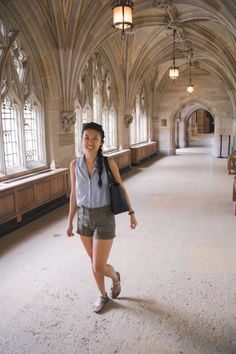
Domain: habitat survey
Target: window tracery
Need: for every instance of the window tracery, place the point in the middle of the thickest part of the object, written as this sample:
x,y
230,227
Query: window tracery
x,y
22,136
94,95
19,58
138,127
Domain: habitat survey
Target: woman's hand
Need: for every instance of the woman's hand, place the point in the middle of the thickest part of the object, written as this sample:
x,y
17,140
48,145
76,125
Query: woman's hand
x,y
69,230
133,221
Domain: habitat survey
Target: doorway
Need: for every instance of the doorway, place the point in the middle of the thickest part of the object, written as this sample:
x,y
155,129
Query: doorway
x,y
197,132
200,129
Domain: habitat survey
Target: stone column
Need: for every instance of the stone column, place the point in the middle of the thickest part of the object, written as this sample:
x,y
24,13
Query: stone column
x,y
182,135
52,129
128,119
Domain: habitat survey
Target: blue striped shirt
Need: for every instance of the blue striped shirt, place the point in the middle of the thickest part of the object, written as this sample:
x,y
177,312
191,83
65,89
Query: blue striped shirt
x,y
88,193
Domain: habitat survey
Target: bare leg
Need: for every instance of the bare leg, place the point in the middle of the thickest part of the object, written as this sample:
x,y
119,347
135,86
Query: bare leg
x,y
101,251
98,251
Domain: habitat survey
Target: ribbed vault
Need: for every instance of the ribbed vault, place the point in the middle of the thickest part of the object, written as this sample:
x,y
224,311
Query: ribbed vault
x,y
62,35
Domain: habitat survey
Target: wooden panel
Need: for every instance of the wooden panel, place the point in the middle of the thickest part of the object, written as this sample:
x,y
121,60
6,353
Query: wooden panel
x,y
127,160
57,184
28,194
42,191
141,152
25,198
121,161
7,205
122,158
67,181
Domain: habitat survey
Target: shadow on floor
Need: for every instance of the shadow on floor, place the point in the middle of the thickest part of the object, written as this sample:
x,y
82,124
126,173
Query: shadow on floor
x,y
190,326
18,236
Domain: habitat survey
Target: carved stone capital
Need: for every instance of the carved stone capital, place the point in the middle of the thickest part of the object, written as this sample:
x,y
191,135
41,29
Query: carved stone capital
x,y
68,119
128,120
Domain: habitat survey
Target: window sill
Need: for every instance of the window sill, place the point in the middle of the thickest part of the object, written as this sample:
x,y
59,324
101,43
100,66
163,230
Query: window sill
x,y
29,178
15,173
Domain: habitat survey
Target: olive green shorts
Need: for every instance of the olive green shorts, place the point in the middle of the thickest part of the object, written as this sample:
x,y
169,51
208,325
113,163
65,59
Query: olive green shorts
x,y
98,223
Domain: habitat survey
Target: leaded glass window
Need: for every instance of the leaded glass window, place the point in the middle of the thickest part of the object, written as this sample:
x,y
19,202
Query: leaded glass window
x,y
105,126
138,129
112,128
96,108
95,97
10,133
31,114
22,136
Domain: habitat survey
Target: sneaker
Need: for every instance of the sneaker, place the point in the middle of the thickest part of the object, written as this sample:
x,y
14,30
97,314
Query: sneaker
x,y
116,288
99,304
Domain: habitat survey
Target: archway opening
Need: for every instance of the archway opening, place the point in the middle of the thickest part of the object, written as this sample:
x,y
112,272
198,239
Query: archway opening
x,y
194,131
200,127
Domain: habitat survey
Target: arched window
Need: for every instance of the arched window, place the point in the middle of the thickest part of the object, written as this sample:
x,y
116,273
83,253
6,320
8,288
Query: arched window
x,y
78,127
138,128
143,126
86,115
32,133
95,96
22,140
133,129
112,129
96,107
105,124
22,135
10,133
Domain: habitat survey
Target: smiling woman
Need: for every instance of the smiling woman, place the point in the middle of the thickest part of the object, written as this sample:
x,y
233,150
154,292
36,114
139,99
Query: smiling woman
x,y
96,222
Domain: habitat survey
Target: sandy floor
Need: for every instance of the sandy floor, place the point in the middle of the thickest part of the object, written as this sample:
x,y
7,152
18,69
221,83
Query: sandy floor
x,y
178,271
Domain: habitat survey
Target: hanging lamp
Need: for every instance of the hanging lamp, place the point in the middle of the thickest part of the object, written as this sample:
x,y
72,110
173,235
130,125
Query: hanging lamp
x,y
174,70
190,87
122,11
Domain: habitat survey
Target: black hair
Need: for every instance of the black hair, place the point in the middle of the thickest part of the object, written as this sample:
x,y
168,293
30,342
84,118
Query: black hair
x,y
98,128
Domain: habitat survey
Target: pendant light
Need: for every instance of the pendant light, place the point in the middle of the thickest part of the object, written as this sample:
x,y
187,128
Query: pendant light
x,y
174,70
190,87
122,11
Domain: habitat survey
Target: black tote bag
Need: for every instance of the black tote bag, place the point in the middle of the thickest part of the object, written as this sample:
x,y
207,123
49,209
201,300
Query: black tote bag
x,y
118,201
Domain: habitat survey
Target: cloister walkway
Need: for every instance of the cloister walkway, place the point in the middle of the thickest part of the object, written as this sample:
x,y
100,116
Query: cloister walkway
x,y
178,271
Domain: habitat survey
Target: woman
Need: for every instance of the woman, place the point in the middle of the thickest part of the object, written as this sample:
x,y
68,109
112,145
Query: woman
x,y
96,223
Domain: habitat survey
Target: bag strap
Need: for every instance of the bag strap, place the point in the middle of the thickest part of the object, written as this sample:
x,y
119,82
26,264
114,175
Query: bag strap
x,y
109,172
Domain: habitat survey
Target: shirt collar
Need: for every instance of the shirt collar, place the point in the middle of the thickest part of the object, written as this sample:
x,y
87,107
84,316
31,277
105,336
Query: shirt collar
x,y
83,164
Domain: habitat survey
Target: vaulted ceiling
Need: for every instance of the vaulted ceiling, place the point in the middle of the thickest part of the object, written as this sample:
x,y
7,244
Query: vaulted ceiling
x,y
63,34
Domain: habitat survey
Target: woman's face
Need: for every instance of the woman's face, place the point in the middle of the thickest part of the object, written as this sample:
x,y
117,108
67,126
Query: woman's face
x,y
91,140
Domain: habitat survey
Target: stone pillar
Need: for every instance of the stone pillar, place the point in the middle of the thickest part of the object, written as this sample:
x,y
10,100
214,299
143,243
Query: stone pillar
x,y
128,119
52,129
153,127
182,135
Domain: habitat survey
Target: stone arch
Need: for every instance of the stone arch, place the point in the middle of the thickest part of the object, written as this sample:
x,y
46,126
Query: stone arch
x,y
181,117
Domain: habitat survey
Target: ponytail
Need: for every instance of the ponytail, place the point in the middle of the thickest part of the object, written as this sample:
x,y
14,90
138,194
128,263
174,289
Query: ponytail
x,y
100,166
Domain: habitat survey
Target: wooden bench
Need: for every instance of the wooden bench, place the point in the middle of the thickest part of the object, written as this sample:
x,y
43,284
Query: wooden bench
x,y
231,164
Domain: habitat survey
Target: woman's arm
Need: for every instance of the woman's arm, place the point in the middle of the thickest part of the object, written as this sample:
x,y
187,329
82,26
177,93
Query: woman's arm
x,y
73,204
116,174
